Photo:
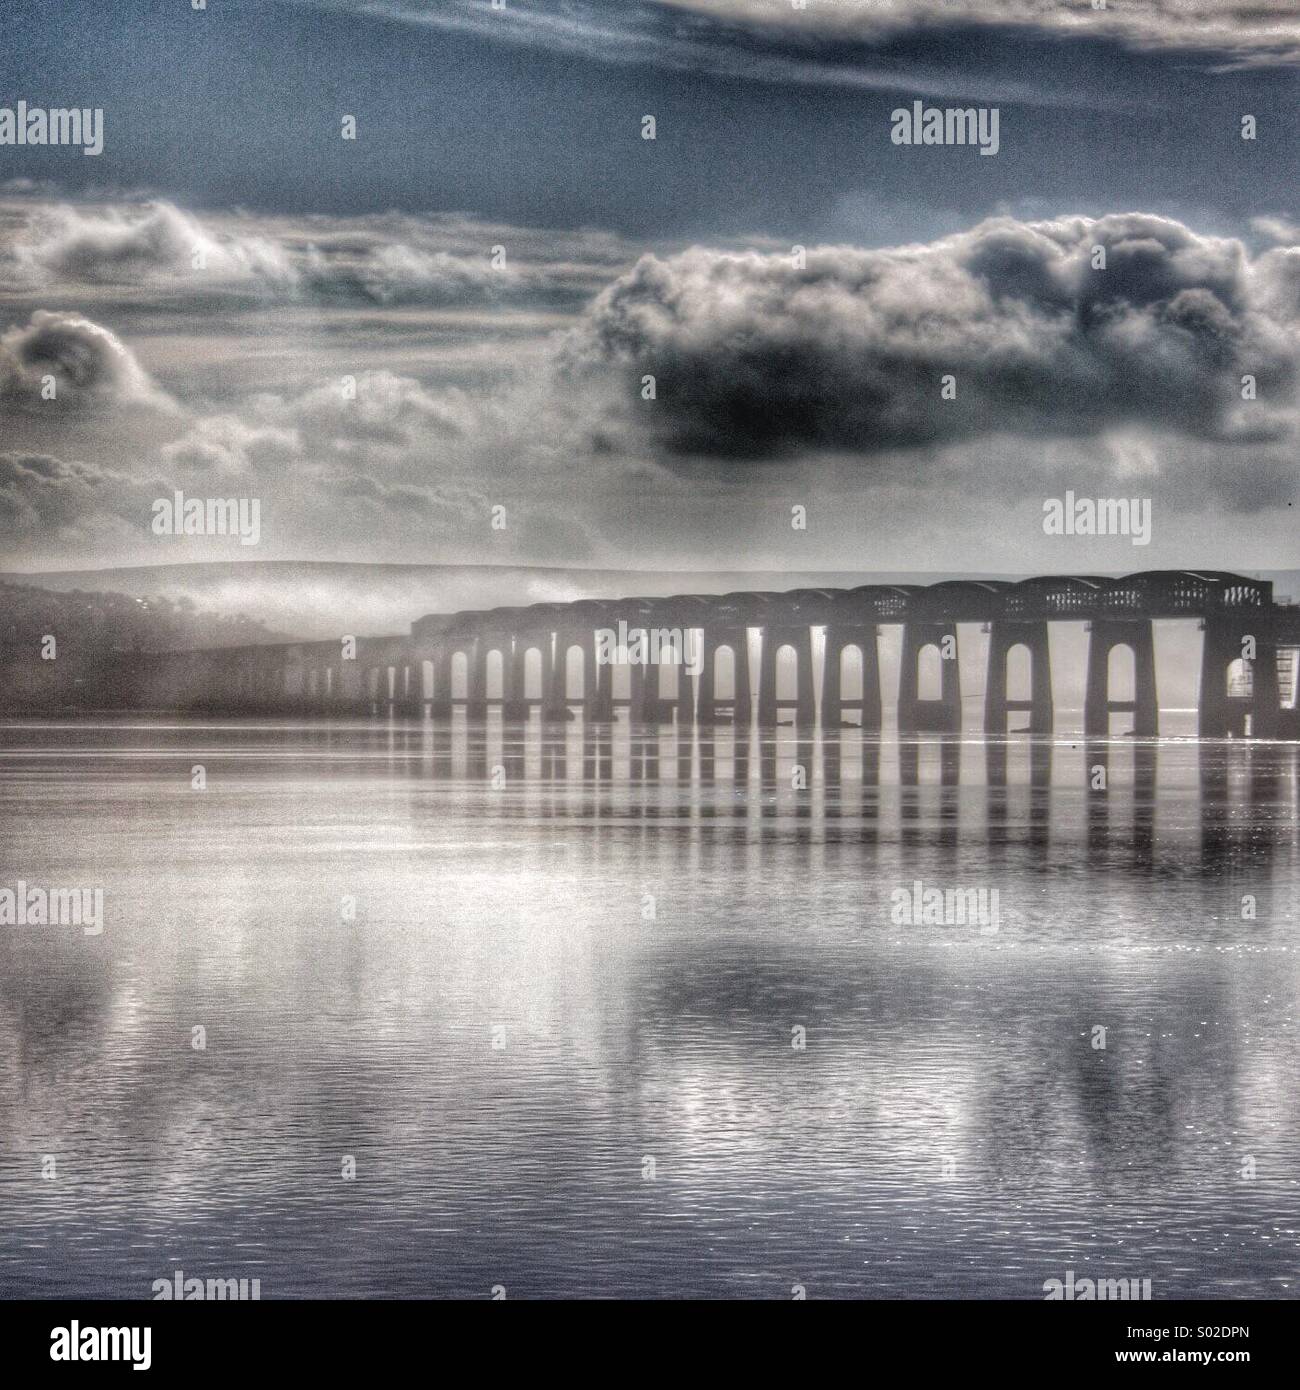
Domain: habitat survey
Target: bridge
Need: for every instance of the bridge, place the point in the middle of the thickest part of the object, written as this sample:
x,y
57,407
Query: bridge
x,y
563,658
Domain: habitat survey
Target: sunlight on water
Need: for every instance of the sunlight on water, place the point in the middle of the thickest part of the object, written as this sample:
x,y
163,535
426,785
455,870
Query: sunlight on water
x,y
613,1014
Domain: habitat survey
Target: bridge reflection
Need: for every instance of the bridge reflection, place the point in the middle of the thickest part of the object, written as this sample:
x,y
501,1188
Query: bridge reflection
x,y
1209,808
500,872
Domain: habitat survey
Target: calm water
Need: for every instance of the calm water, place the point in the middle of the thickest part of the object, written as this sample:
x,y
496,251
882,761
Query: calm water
x,y
571,958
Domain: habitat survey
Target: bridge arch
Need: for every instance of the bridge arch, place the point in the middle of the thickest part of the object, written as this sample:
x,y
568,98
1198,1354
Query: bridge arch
x,y
852,668
1100,702
724,671
575,672
929,672
1121,671
460,674
534,673
494,674
1020,671
787,671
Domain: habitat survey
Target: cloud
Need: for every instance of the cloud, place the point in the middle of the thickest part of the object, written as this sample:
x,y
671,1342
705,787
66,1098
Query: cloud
x,y
770,40
363,446
376,407
1241,26
42,496
1277,283
90,368
389,260
22,186
374,416
404,274
756,357
1281,230
386,464
447,508
226,444
143,244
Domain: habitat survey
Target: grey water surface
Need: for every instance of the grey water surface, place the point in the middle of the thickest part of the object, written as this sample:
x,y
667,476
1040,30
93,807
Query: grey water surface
x,y
635,1014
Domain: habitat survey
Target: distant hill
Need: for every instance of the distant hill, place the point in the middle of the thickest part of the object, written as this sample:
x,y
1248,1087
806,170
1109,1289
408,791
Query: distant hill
x,y
310,599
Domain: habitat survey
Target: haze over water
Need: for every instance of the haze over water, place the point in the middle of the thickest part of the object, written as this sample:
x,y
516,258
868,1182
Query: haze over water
x,y
573,953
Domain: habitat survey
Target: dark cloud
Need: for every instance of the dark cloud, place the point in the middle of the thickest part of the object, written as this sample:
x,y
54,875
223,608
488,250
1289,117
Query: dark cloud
x,y
90,367
41,495
756,356
448,508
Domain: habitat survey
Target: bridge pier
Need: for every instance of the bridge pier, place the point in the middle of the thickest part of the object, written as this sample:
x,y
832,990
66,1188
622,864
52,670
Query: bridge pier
x,y
514,683
737,640
345,700
643,691
685,702
656,707
1003,636
1221,714
598,695
1136,634
799,639
555,677
554,650
410,688
838,638
476,681
274,688
314,687
442,658
916,715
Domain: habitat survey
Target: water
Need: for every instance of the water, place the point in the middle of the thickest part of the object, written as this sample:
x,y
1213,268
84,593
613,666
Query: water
x,y
576,961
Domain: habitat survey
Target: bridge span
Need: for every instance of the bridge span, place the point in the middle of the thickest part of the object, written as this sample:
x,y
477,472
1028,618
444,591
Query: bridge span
x,y
561,658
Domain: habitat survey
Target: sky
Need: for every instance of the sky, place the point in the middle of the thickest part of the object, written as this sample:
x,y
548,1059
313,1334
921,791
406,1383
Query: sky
x,y
432,343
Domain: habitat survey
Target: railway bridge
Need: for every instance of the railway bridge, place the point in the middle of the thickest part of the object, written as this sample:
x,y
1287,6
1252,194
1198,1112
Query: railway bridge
x,y
562,658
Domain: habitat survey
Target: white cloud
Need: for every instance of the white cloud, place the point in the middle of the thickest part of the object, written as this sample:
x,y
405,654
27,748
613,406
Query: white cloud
x,y
1281,230
226,444
156,248
142,245
1241,26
